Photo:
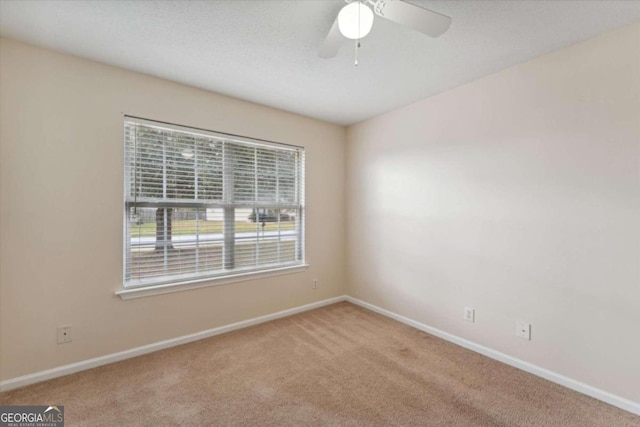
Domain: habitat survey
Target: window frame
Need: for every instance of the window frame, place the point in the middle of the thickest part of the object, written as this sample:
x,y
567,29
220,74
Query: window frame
x,y
174,282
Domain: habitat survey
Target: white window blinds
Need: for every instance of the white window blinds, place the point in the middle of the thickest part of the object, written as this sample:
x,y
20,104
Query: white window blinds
x,y
200,204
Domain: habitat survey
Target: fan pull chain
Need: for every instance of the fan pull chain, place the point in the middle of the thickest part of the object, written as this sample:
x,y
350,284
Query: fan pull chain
x,y
355,63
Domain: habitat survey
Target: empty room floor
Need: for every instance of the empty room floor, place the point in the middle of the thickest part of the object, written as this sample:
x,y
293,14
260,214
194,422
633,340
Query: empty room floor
x,y
337,365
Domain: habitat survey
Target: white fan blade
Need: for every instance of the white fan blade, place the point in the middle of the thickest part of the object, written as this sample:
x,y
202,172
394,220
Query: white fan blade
x,y
332,43
426,21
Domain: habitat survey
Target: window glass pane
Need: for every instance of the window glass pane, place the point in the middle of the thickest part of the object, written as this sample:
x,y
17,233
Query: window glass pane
x,y
145,147
174,241
267,169
202,204
269,237
180,167
287,174
210,168
243,164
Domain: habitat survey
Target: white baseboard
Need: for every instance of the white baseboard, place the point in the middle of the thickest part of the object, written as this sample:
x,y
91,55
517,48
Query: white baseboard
x,y
578,386
139,351
612,399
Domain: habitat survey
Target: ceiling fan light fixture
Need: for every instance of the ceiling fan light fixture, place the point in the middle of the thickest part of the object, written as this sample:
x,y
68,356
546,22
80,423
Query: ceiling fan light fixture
x,y
355,20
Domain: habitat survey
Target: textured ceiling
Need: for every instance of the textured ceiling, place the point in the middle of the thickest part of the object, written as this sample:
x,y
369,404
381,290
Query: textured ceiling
x,y
266,51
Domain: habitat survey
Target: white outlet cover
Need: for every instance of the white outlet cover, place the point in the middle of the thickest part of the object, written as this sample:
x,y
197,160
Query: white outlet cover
x,y
469,314
64,334
523,330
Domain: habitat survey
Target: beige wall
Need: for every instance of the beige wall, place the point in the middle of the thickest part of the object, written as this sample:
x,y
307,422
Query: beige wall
x,y
519,195
61,199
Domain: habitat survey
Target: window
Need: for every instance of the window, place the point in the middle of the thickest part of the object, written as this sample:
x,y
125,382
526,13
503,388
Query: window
x,y
201,204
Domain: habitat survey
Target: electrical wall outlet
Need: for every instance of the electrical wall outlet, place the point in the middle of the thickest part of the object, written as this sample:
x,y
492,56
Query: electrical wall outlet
x,y
469,314
64,334
315,283
523,330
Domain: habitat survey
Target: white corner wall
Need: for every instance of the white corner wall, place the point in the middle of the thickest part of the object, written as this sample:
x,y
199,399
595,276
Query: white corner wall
x,y
518,195
61,209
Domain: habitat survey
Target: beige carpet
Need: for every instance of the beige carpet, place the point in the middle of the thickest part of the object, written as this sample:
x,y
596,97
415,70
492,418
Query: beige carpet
x,y
338,365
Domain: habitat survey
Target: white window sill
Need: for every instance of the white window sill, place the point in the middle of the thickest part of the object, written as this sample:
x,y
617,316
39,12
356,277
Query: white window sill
x,y
147,291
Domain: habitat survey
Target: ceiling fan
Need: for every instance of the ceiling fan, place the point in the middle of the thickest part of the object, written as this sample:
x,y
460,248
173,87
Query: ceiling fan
x,y
354,21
